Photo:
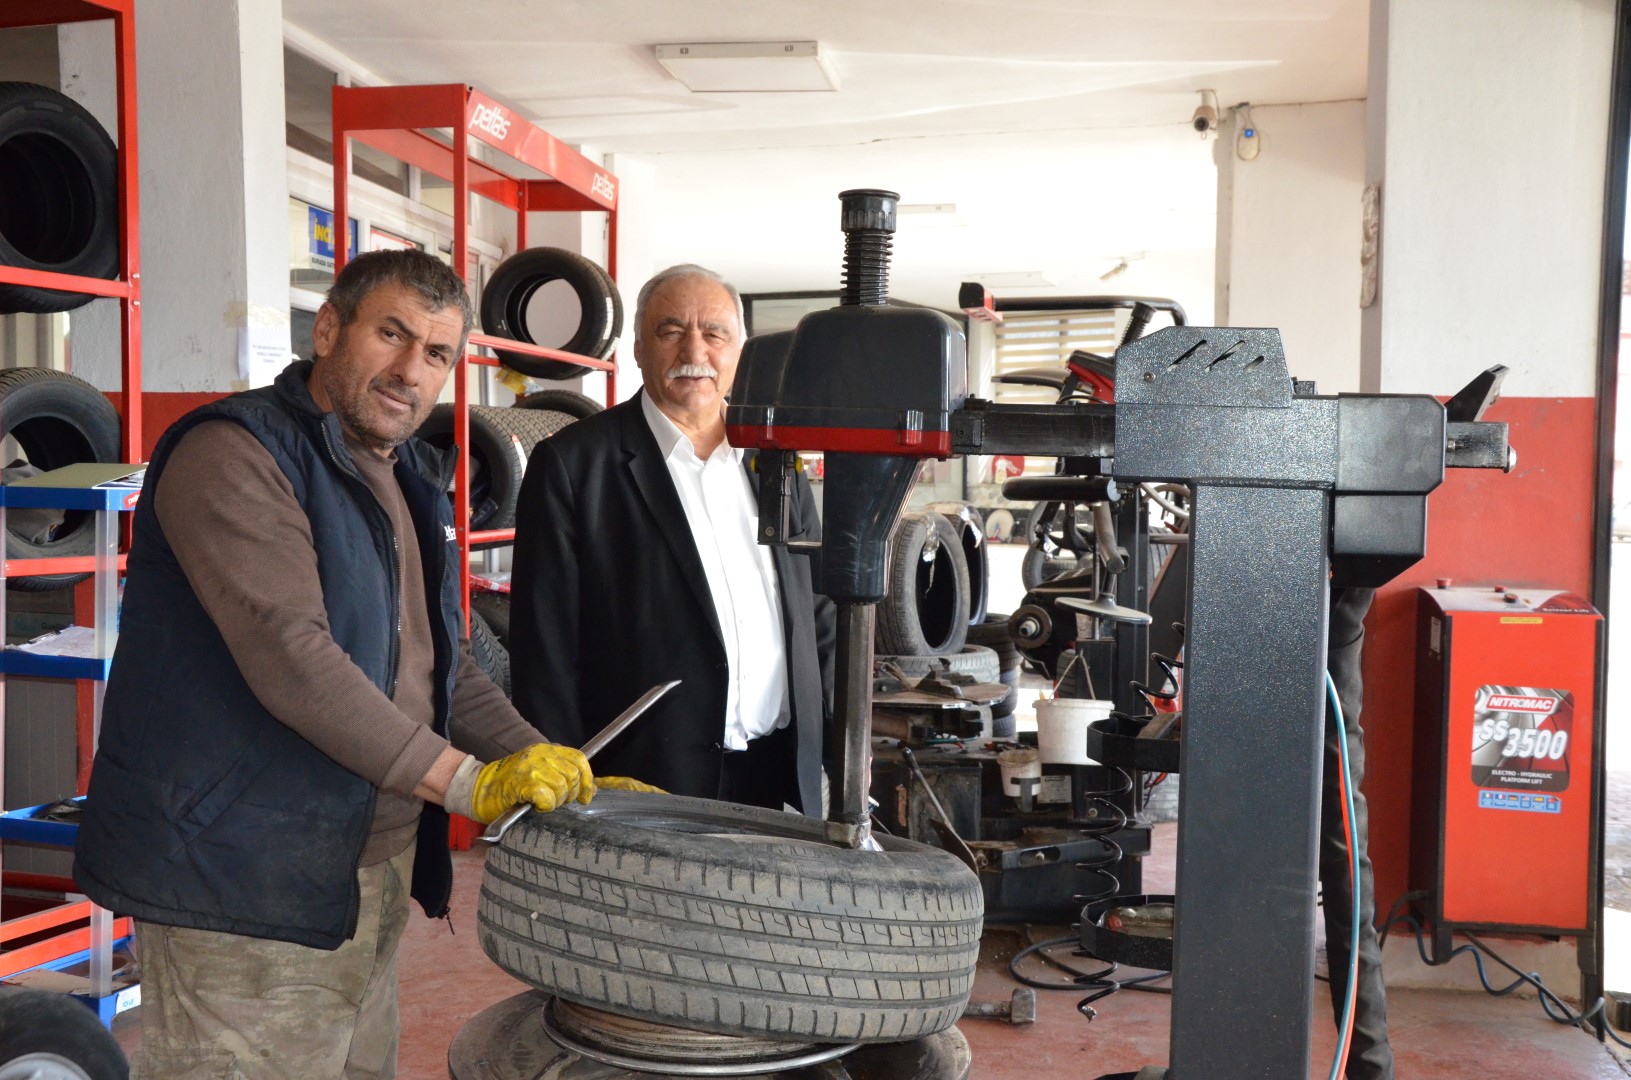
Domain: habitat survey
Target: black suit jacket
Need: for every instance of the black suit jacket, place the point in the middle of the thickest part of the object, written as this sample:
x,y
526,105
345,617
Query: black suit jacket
x,y
609,598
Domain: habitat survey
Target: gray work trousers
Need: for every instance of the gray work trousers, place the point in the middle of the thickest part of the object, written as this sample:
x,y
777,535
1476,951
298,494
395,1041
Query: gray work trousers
x,y
1370,1057
226,1007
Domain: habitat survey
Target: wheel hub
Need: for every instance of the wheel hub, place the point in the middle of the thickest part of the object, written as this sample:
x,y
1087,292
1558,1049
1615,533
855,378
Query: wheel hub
x,y
41,1067
533,1036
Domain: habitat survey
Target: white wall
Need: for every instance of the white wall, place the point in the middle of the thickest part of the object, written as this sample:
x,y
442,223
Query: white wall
x,y
214,189
1492,192
1289,235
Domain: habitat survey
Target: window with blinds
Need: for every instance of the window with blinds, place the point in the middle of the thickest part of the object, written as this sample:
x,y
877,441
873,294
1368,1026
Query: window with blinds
x,y
1045,339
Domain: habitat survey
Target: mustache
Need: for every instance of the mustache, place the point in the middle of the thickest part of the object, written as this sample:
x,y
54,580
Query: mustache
x,y
692,371
393,389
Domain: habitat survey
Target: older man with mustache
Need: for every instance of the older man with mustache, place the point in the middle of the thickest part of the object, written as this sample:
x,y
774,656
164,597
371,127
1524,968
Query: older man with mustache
x,y
636,562
293,702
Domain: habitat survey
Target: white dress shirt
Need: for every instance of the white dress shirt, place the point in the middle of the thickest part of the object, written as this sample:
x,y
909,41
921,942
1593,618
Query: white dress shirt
x,y
724,519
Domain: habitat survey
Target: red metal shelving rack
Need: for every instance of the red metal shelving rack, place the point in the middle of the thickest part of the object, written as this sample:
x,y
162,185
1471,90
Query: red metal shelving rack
x,y
396,120
126,289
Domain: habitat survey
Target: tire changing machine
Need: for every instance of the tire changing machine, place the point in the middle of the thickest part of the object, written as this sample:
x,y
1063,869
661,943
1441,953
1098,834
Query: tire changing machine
x,y
1292,492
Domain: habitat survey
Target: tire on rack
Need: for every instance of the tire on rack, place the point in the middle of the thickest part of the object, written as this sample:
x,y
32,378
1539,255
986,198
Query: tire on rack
x,y
570,402
977,661
490,656
970,528
1039,566
60,207
501,442
993,633
53,1037
925,611
514,283
55,419
494,608
732,919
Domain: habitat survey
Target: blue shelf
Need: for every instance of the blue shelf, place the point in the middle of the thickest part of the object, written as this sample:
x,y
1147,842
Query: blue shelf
x,y
23,825
42,665
114,499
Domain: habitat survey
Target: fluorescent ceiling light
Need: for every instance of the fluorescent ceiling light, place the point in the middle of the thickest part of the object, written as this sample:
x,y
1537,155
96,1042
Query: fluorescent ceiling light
x,y
1012,279
748,66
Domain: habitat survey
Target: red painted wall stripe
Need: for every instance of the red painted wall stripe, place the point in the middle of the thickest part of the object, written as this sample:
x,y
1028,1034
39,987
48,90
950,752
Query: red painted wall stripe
x,y
1529,529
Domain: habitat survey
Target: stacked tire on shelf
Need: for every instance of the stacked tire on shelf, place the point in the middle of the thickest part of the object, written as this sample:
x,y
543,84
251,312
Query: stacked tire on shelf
x,y
520,303
60,214
934,614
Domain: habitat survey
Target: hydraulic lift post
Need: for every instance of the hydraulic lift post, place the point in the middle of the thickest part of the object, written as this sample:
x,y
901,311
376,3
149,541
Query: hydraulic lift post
x,y
1290,490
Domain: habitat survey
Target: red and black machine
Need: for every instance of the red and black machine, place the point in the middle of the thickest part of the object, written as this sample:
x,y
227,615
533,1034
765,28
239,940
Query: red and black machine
x,y
1291,491
1505,804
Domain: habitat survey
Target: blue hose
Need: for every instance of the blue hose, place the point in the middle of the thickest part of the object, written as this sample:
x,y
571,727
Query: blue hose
x,y
1353,864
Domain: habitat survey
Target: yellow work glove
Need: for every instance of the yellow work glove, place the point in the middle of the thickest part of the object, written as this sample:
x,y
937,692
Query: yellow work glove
x,y
625,783
544,774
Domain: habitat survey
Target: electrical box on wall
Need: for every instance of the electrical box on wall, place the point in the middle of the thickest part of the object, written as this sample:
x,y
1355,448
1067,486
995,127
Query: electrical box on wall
x,y
1505,800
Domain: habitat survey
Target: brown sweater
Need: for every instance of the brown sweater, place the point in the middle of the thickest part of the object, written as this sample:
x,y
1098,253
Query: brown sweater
x,y
246,547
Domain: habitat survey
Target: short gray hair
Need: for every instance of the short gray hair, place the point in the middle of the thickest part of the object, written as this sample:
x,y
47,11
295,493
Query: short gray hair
x,y
685,270
432,279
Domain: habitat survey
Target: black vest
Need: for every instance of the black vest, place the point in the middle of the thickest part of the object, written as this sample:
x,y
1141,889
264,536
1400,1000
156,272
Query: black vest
x,y
204,810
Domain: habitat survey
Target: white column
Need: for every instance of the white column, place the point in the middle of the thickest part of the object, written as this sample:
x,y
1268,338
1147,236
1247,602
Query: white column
x,y
214,197
1289,234
637,231
1487,135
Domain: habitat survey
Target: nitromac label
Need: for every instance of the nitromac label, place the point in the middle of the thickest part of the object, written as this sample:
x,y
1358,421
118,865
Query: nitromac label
x,y
1545,706
1520,740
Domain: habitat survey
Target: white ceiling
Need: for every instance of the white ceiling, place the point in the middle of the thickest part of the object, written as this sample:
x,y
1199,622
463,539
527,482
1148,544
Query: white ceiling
x,y
1058,128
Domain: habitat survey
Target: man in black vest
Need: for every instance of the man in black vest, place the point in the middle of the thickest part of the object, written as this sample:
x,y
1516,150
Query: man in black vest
x,y
293,708
636,562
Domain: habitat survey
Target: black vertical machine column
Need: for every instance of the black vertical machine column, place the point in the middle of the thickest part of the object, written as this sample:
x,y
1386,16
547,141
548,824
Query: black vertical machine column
x,y
1248,808
874,387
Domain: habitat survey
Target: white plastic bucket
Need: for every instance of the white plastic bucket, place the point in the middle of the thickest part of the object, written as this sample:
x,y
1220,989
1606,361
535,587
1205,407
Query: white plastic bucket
x,y
1015,765
1061,728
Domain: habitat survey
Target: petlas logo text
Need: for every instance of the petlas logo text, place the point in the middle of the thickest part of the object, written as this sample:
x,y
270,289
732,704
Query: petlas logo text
x,y
491,119
1509,703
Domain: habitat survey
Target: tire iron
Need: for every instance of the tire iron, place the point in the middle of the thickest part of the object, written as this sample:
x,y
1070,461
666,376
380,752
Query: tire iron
x,y
943,826
495,831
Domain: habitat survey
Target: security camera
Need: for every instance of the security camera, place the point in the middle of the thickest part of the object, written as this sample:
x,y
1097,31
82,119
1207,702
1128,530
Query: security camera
x,y
1205,119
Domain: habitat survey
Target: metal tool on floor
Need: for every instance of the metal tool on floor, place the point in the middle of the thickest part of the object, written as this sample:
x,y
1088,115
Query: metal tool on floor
x,y
499,826
1020,1008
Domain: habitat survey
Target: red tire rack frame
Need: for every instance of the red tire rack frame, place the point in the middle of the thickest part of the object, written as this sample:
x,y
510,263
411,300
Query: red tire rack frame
x,y
396,120
127,289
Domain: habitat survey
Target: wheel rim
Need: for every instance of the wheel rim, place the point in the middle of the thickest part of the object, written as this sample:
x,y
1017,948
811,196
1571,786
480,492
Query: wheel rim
x,y
42,1067
704,818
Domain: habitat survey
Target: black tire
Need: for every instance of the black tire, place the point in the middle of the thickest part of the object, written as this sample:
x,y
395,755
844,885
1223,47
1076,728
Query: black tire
x,y
970,528
993,634
974,660
59,195
570,402
501,442
57,1035
491,657
494,609
1038,566
732,919
515,280
926,610
56,420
